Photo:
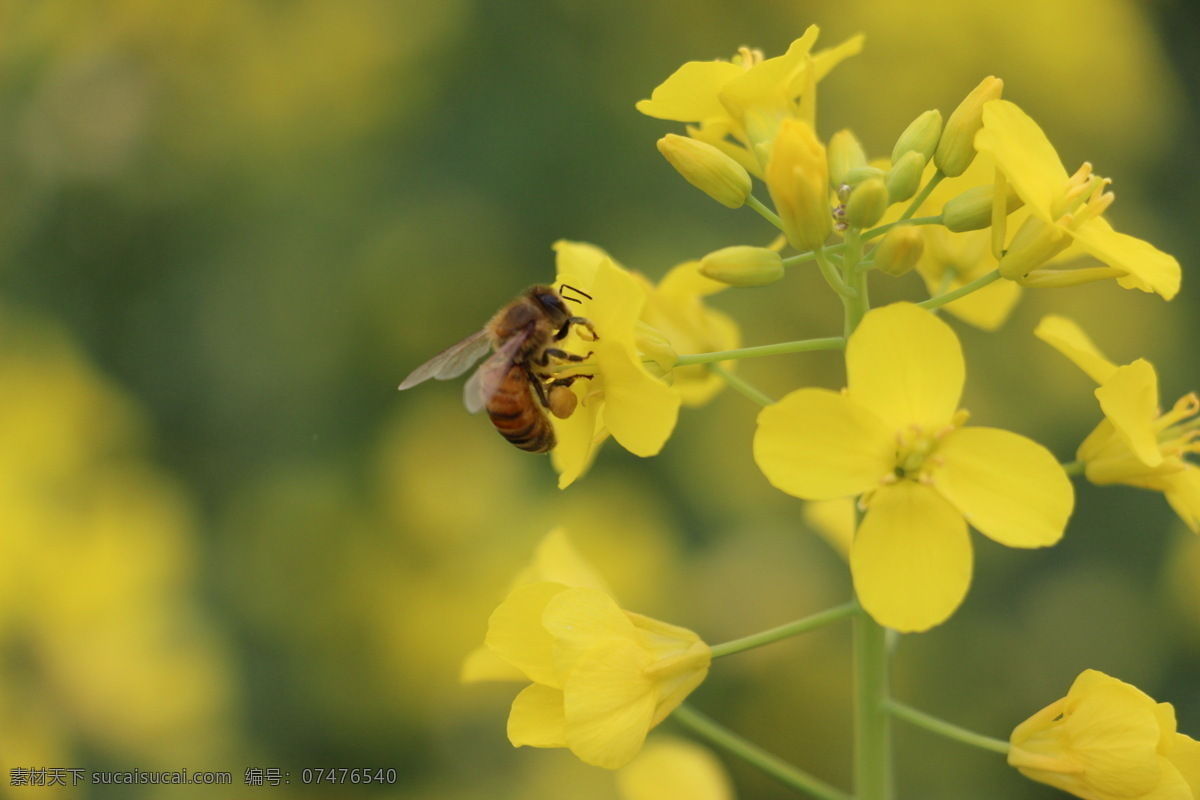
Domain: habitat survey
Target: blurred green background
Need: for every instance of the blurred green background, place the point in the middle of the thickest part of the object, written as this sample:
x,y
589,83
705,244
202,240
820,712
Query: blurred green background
x,y
227,230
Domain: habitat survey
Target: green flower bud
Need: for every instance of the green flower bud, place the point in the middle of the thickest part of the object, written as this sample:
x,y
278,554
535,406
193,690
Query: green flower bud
x,y
707,168
905,176
972,210
867,203
845,154
743,265
921,136
956,149
859,174
899,250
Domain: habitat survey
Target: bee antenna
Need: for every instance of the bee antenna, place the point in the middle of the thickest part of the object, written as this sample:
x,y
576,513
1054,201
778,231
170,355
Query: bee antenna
x,y
573,289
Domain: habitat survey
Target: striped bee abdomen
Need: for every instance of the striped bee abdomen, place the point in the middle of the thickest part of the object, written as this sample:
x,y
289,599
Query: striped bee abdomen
x,y
517,414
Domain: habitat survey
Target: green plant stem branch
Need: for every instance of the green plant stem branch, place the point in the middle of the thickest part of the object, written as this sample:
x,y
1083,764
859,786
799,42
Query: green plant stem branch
x,y
754,755
767,214
743,387
924,195
781,348
831,275
947,729
882,229
858,303
962,291
872,724
804,625
1074,468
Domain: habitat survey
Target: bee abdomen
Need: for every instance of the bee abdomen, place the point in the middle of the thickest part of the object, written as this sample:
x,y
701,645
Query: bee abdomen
x,y
515,412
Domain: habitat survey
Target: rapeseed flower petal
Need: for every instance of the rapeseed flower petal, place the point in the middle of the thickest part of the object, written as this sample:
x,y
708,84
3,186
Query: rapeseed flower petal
x,y
911,558
1011,489
906,366
818,445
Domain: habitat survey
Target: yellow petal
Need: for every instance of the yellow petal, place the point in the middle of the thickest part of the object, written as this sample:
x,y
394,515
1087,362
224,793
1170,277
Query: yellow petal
x,y
905,365
640,411
1129,399
578,619
1024,154
1183,494
557,560
536,718
483,664
517,635
1065,336
690,93
674,769
818,445
1145,266
1011,489
609,704
771,81
1185,755
911,558
576,263
578,437
825,60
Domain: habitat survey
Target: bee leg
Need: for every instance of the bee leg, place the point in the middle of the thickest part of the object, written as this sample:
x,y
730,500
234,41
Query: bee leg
x,y
539,388
561,355
566,328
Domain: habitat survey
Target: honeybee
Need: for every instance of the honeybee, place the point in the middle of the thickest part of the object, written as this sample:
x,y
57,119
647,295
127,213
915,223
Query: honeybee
x,y
522,334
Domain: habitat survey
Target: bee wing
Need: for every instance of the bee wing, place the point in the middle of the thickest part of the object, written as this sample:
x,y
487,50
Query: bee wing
x,y
451,362
486,381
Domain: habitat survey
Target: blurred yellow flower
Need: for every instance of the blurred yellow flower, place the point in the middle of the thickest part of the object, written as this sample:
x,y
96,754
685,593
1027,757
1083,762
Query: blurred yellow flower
x,y
1136,443
896,438
675,307
1107,740
602,677
674,769
740,104
1066,210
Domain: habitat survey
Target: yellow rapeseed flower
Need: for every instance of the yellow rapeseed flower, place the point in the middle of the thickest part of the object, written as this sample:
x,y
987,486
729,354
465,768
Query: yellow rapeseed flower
x,y
1136,443
623,398
798,179
601,677
1108,740
895,438
739,104
674,769
1066,212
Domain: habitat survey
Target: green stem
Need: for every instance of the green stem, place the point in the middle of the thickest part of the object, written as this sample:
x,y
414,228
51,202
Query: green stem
x,y
767,214
965,289
947,729
1075,468
831,275
924,195
800,346
795,628
882,229
872,726
741,385
751,753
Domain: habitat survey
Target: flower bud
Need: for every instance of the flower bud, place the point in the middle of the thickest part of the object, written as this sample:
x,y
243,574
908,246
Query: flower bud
x,y
743,265
921,136
859,174
797,176
972,210
867,203
707,168
899,250
956,148
905,176
845,154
